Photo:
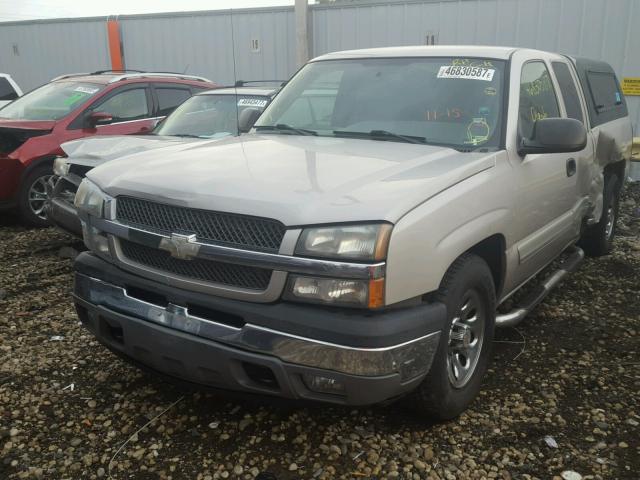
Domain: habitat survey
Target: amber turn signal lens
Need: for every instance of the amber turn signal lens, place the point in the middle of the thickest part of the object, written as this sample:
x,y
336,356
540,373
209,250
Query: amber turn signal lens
x,y
376,293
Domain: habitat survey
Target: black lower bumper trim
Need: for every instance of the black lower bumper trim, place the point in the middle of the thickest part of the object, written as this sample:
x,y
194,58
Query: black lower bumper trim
x,y
200,361
7,205
64,215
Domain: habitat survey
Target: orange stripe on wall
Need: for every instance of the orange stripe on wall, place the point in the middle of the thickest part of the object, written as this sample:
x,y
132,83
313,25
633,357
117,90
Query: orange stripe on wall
x,y
113,32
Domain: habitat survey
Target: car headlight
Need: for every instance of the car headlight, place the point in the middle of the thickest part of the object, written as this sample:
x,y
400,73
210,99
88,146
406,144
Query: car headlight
x,y
95,240
90,198
336,291
347,242
366,242
61,166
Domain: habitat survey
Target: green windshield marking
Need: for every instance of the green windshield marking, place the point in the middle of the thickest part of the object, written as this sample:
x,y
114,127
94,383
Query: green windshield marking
x,y
76,97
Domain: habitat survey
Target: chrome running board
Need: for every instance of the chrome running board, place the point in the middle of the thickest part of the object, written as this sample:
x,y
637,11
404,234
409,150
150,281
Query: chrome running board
x,y
569,265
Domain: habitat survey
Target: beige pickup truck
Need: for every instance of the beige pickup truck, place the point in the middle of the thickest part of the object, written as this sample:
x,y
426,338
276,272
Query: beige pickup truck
x,y
355,246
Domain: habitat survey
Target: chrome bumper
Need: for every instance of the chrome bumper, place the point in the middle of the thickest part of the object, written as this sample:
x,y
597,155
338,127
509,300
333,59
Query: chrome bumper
x,y
409,359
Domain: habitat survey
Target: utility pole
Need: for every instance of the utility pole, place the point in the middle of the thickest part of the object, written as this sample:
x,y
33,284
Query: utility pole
x,y
302,32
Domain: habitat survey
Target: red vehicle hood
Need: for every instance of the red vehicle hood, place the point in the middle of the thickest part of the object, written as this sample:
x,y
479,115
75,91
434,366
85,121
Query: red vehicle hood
x,y
27,124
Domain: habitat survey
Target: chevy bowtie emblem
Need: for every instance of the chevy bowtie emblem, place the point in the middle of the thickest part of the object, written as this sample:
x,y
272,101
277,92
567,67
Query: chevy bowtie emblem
x,y
179,246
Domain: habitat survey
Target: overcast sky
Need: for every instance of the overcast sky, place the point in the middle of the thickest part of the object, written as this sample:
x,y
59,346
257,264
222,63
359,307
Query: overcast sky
x,y
33,9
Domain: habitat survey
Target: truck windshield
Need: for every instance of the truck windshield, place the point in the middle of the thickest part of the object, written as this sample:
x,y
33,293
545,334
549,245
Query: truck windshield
x,y
52,101
448,101
209,115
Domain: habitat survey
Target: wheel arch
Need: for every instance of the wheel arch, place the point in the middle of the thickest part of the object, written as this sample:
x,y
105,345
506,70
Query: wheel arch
x,y
618,169
493,251
38,162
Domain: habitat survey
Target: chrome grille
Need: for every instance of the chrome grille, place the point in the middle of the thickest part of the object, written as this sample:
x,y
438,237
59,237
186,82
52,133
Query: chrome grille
x,y
240,231
198,269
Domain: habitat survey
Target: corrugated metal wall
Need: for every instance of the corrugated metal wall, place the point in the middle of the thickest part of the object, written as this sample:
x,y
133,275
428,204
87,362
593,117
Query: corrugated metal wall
x,y
200,42
599,29
35,52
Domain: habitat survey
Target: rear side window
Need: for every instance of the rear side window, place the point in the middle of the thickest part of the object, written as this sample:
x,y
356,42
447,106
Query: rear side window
x,y
170,98
568,90
604,91
537,97
6,90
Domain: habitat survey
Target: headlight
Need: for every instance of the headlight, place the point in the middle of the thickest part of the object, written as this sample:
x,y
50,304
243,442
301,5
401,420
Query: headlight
x,y
336,291
60,166
95,240
348,242
90,198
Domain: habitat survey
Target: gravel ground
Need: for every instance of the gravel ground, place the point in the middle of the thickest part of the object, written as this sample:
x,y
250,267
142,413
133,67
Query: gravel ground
x,y
69,409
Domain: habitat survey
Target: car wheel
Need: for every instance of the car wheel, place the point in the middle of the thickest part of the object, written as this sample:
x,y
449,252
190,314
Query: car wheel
x,y
597,240
464,350
34,196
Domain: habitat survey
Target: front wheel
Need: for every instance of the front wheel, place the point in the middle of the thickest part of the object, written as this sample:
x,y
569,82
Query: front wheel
x,y
35,194
464,351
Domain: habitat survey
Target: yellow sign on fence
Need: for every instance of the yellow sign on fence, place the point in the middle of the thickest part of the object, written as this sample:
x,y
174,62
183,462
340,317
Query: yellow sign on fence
x,y
631,85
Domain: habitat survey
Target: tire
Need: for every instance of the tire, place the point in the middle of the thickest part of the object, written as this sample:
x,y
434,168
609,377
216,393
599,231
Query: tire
x,y
34,195
597,240
442,395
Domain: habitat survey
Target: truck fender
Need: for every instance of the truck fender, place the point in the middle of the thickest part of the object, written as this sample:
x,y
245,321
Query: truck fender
x,y
410,274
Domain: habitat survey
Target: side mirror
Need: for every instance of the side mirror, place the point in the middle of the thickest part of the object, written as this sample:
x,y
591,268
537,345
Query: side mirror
x,y
247,118
555,135
99,118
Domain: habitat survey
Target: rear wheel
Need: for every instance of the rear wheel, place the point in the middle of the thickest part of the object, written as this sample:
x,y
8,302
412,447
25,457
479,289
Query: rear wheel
x,y
465,341
597,240
34,196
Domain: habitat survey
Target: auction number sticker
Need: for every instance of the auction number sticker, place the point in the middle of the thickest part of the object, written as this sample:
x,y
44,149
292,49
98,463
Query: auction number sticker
x,y
87,90
471,73
252,102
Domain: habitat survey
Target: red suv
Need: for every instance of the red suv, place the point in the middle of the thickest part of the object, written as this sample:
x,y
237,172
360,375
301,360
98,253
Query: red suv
x,y
33,127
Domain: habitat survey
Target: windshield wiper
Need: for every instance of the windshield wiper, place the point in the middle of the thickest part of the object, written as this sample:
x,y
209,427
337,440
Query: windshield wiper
x,y
287,128
185,135
383,134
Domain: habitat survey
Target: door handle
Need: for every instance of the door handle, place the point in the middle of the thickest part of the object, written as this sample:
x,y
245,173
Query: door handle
x,y
571,167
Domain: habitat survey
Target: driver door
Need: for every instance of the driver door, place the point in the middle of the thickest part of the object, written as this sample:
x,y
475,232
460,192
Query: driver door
x,y
130,108
546,182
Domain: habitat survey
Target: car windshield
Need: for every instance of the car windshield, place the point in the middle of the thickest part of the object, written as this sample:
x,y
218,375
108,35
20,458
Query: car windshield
x,y
51,101
209,115
448,101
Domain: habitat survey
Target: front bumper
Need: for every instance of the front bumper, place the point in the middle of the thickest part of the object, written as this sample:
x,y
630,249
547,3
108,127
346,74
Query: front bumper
x,y
223,343
7,205
10,173
62,212
65,215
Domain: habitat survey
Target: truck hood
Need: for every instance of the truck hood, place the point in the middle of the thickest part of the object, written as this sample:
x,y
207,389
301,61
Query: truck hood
x,y
295,179
97,150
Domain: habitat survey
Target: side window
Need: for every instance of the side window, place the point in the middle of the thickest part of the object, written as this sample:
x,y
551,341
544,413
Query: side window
x,y
128,105
568,90
604,91
537,97
6,90
170,98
